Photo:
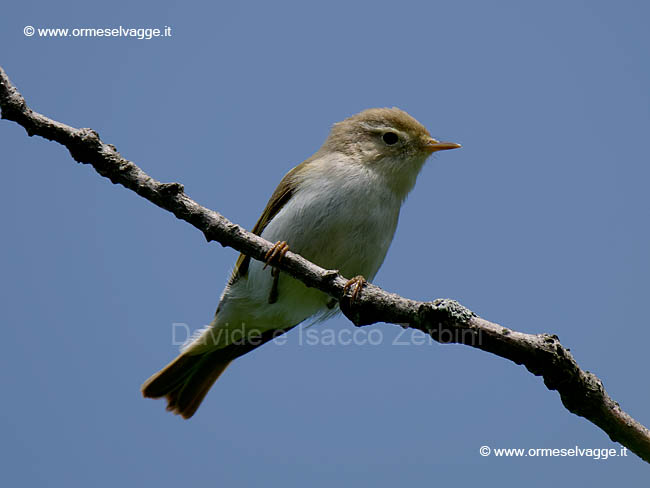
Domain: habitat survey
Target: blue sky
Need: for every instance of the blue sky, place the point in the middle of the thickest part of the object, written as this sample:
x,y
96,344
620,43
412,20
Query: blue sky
x,y
540,223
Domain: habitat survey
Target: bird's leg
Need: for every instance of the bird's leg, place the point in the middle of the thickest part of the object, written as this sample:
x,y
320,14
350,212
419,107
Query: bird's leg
x,y
276,253
273,294
358,282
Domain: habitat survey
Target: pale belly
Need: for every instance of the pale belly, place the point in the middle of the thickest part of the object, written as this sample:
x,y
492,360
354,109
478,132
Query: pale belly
x,y
346,228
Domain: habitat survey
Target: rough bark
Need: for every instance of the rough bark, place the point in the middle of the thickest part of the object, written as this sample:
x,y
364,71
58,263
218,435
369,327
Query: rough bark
x,y
446,321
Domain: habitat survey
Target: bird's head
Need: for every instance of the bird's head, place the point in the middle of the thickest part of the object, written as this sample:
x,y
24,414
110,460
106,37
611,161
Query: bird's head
x,y
388,141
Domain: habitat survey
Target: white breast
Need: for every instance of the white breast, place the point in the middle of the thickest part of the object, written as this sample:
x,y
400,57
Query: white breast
x,y
341,217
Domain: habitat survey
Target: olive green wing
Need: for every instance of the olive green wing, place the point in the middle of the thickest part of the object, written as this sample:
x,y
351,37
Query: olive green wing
x,y
280,197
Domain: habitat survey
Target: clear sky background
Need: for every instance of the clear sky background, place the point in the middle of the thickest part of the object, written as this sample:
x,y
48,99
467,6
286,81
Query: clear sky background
x,y
539,223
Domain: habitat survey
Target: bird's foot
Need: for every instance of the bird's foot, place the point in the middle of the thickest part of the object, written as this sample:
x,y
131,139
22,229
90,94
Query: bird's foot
x,y
358,282
276,253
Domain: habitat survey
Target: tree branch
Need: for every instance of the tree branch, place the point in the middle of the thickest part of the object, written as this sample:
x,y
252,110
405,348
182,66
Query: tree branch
x,y
446,321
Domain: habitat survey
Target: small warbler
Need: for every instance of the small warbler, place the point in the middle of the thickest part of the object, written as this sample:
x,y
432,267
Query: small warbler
x,y
338,209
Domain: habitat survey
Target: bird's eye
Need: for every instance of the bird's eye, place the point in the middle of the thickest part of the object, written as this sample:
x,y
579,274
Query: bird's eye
x,y
390,138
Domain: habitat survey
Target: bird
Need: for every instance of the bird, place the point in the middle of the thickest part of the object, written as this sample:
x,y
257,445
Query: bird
x,y
338,209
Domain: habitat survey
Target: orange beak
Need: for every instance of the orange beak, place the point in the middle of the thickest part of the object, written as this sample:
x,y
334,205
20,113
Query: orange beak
x,y
434,145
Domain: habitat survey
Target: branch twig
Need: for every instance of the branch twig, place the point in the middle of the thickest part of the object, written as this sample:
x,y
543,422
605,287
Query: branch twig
x,y
446,321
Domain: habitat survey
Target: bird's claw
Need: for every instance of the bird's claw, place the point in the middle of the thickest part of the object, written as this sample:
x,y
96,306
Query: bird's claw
x,y
276,253
358,282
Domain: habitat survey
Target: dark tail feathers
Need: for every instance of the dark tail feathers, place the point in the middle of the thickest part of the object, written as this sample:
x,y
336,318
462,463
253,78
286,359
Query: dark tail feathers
x,y
186,380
